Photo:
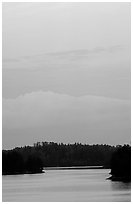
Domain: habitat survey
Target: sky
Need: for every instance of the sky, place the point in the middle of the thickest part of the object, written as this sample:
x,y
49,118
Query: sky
x,y
66,73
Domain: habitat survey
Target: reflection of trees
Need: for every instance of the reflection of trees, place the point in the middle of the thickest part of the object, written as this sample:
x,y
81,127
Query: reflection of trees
x,y
120,186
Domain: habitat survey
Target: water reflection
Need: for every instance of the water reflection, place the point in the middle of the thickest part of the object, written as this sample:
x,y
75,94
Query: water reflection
x,y
117,185
64,185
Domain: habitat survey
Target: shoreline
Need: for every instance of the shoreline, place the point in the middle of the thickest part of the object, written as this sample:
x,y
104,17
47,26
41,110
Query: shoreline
x,y
74,167
56,168
120,178
23,173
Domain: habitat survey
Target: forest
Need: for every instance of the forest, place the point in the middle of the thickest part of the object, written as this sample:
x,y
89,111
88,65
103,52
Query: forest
x,y
32,159
121,164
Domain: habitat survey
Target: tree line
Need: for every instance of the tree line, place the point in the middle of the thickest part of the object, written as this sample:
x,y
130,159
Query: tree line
x,y
32,159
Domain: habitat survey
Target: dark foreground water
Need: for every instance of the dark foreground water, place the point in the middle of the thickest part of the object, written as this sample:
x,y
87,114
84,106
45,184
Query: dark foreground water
x,y
65,185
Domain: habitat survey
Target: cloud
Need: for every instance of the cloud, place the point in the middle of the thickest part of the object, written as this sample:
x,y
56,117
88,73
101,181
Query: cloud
x,y
68,55
76,54
66,118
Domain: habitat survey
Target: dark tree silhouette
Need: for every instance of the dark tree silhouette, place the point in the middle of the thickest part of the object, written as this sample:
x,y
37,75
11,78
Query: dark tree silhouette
x,y
34,164
49,154
121,164
12,162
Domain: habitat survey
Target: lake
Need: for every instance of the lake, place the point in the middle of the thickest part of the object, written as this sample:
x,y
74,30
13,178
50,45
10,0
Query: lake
x,y
65,185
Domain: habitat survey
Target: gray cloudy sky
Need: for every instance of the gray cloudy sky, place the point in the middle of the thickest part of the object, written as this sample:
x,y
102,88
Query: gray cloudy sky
x,y
66,73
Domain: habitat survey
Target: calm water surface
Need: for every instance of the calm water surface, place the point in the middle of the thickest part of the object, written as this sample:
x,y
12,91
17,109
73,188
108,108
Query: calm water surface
x,y
65,185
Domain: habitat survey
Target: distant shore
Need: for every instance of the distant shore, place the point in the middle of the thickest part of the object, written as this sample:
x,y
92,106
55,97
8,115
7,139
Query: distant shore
x,y
22,173
53,156
73,167
56,168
